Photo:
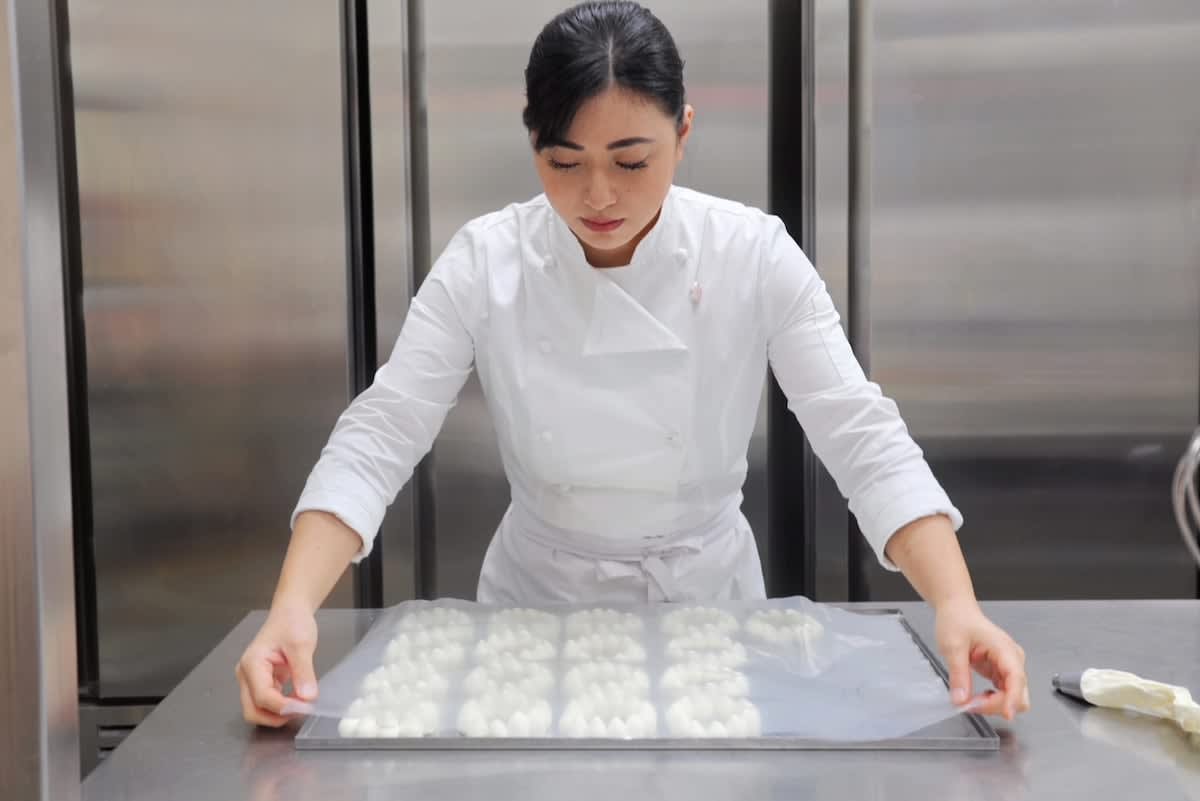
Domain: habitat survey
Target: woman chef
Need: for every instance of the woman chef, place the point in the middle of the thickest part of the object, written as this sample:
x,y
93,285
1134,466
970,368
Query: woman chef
x,y
621,327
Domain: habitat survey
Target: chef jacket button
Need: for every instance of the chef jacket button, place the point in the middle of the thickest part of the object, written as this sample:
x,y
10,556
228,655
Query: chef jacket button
x,y
564,488
547,436
546,346
673,437
682,255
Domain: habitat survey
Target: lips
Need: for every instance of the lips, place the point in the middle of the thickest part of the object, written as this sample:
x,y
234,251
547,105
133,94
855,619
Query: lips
x,y
602,226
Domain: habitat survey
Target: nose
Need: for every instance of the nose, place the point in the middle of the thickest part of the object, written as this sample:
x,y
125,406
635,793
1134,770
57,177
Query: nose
x,y
598,195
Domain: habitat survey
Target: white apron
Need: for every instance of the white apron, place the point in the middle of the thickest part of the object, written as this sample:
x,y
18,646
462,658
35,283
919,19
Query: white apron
x,y
532,563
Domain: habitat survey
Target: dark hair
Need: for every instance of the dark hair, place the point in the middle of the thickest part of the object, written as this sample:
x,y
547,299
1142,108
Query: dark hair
x,y
590,47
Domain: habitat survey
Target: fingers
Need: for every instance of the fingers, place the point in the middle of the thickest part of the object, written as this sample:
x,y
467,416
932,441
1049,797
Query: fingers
x,y
299,654
959,664
1005,668
1014,683
258,675
251,711
988,703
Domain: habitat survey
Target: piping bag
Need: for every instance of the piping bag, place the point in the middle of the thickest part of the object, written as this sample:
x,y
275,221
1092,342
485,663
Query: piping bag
x,y
1117,689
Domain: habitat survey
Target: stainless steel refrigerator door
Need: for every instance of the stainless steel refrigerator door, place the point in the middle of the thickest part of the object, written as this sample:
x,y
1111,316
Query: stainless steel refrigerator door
x,y
214,264
480,161
1036,279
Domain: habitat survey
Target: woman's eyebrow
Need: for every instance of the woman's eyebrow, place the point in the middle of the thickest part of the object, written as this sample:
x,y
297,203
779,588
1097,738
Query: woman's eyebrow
x,y
617,145
629,142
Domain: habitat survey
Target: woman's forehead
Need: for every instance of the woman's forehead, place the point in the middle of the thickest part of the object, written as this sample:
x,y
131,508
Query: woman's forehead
x,y
615,115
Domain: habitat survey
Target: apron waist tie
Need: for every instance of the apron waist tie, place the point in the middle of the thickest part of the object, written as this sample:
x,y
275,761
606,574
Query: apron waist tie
x,y
639,557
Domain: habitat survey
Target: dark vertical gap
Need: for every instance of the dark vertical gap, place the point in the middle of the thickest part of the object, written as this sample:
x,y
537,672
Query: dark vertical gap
x,y
360,244
858,256
791,190
424,487
86,623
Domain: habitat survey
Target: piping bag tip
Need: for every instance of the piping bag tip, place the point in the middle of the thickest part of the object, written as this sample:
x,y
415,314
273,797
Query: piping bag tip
x,y
1070,684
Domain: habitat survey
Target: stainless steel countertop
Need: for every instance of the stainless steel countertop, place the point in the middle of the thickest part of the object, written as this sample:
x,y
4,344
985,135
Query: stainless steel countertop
x,y
195,746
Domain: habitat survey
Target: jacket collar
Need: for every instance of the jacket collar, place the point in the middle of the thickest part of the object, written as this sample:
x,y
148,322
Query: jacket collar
x,y
618,323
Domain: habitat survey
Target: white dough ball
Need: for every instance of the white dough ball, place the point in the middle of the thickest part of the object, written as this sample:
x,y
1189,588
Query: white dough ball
x,y
604,647
783,627
374,680
367,727
707,648
592,621
693,619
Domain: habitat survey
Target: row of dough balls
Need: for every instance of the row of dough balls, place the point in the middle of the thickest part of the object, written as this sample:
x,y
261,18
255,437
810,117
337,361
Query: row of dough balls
x,y
597,714
609,700
713,715
438,625
690,677
695,619
418,719
604,646
548,625
510,698
784,627
707,648
602,713
507,671
401,698
436,617
433,647
709,692
505,713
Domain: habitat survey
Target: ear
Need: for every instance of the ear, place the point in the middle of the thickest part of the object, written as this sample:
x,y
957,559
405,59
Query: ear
x,y
685,131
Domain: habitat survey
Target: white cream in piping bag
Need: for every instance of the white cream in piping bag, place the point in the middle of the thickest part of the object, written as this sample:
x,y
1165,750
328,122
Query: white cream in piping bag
x,y
1120,690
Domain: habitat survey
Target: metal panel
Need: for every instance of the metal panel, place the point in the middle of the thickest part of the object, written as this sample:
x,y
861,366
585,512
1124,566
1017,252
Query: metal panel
x,y
831,115
39,713
1036,297
791,191
214,248
479,162
390,128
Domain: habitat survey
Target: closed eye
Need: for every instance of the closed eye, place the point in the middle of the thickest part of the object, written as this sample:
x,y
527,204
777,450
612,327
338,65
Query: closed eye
x,y
637,165
563,165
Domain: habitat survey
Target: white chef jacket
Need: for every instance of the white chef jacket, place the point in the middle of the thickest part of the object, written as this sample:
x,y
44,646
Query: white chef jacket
x,y
624,400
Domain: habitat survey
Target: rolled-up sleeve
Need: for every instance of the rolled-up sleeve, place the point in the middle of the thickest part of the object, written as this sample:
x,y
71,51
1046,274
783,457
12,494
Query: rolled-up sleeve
x,y
854,429
379,439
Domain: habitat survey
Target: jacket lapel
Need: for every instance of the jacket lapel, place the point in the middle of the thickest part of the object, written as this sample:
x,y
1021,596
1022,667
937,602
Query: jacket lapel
x,y
619,324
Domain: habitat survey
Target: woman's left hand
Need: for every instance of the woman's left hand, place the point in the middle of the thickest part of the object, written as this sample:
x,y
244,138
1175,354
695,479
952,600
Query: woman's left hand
x,y
969,640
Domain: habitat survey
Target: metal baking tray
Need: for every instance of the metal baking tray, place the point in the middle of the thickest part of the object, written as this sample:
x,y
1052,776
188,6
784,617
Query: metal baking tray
x,y
967,732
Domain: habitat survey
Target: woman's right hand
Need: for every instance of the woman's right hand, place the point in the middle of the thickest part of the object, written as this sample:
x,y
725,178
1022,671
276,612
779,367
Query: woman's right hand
x,y
282,651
